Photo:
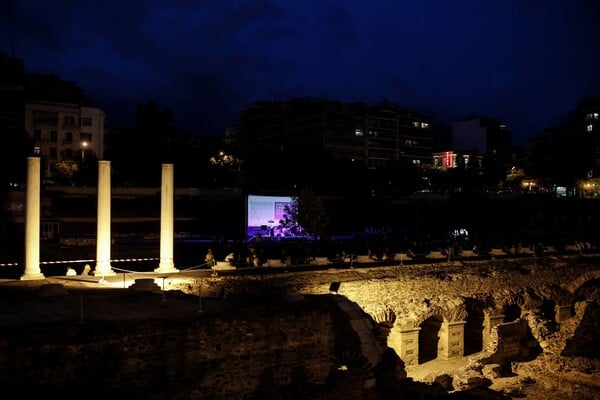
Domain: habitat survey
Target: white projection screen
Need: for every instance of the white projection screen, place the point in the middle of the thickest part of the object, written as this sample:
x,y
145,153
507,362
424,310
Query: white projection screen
x,y
264,213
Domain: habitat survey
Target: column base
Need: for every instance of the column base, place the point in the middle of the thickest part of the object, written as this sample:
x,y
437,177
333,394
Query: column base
x,y
32,277
163,270
104,273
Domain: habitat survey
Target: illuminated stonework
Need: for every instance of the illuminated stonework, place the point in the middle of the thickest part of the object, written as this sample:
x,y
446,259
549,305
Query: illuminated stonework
x,y
103,239
166,221
32,221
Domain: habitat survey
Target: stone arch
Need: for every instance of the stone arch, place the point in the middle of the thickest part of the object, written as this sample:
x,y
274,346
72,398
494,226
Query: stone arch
x,y
582,280
385,315
453,309
588,290
385,319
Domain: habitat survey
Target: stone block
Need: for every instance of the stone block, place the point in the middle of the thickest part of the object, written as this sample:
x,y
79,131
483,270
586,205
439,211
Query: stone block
x,y
52,290
145,285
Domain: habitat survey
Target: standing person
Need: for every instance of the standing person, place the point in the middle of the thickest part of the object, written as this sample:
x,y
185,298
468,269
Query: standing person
x,y
210,259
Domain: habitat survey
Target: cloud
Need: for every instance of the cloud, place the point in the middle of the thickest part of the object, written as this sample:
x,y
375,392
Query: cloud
x,y
521,61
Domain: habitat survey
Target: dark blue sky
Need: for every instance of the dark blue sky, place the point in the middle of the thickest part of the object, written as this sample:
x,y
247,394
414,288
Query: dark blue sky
x,y
525,62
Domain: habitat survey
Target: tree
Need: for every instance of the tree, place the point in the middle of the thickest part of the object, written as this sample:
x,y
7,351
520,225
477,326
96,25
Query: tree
x,y
65,170
143,148
306,216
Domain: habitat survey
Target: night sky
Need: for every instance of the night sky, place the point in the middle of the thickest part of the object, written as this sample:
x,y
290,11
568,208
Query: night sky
x,y
525,62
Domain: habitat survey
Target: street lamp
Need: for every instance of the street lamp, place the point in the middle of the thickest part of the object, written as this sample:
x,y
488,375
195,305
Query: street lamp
x,y
83,147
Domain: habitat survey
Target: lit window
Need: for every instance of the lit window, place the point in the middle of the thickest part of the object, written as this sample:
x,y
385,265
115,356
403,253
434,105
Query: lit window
x,y
590,127
596,115
358,132
424,125
416,124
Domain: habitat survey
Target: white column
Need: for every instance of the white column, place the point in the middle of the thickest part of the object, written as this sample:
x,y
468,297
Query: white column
x,y
103,240
32,221
166,221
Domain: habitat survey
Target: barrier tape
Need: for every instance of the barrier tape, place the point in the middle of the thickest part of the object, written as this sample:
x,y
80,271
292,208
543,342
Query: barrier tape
x,y
82,261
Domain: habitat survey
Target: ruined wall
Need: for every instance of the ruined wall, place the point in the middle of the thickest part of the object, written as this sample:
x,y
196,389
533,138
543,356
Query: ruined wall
x,y
278,345
224,356
406,295
511,341
403,297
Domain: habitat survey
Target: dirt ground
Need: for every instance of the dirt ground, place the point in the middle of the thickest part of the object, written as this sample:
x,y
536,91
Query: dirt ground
x,y
547,377
534,380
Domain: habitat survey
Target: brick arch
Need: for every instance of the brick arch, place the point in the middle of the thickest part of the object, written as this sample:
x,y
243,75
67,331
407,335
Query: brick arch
x,y
555,293
449,310
506,298
580,293
455,309
581,280
433,311
384,318
385,315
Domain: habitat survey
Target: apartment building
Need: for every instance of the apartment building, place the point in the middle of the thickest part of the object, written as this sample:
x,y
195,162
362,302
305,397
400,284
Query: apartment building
x,y
571,149
65,132
485,136
370,134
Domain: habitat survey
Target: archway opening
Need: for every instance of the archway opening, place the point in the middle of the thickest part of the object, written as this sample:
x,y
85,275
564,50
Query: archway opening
x,y
474,328
429,339
512,312
548,309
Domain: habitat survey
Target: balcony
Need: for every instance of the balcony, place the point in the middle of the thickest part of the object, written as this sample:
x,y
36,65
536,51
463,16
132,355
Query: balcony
x,y
45,122
70,125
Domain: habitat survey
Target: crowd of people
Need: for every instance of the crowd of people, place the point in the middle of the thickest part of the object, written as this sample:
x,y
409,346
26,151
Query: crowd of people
x,y
380,247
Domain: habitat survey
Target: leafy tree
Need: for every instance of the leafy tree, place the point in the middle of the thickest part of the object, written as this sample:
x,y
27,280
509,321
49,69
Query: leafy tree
x,y
65,170
306,215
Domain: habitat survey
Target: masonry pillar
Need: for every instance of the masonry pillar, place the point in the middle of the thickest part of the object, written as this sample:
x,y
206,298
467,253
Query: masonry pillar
x,y
490,321
452,339
406,343
32,221
562,313
103,239
166,221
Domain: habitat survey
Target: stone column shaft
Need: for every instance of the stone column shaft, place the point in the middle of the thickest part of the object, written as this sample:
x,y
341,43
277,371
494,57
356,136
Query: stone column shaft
x,y
103,239
166,220
32,221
